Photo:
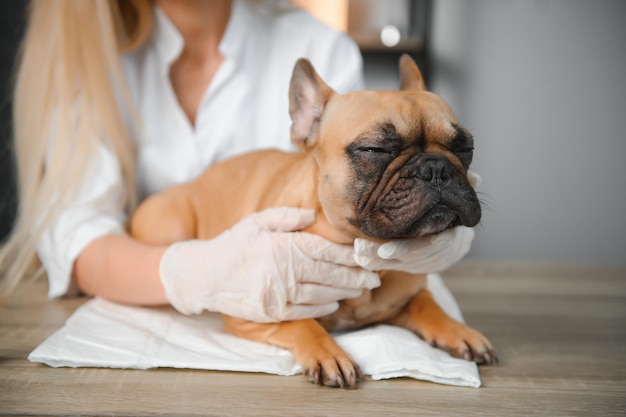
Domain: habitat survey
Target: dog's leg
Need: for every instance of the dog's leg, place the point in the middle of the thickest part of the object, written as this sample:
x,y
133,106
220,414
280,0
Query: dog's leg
x,y
423,316
323,361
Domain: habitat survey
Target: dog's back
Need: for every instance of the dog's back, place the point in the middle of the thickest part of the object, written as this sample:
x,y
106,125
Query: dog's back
x,y
224,194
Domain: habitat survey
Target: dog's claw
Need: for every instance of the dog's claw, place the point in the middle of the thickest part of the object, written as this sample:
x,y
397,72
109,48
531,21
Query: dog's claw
x,y
340,381
352,378
313,376
345,376
489,357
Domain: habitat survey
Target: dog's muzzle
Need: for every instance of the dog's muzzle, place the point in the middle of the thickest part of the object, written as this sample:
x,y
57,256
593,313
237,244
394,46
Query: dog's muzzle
x,y
425,195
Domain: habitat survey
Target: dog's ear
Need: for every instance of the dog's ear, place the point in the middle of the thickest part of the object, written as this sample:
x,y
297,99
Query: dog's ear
x,y
308,95
410,75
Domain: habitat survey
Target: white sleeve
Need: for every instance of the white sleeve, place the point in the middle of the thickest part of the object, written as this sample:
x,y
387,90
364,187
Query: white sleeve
x,y
98,210
334,55
344,65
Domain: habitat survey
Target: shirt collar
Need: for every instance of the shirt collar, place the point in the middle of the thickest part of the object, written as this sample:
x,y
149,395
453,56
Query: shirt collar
x,y
167,39
169,42
242,21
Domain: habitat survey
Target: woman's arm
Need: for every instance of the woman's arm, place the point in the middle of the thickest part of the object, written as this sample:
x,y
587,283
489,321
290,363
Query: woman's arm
x,y
121,269
258,270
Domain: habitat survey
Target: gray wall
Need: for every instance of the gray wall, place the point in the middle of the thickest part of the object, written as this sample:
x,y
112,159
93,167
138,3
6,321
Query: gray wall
x,y
542,86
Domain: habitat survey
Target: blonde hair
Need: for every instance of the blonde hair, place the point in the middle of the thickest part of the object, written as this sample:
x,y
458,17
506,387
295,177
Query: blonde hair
x,y
69,61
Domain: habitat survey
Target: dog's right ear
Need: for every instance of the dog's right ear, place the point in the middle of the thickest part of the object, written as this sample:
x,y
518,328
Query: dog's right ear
x,y
410,75
308,95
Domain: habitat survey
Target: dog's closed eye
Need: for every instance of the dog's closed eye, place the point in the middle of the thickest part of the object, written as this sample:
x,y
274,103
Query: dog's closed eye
x,y
373,149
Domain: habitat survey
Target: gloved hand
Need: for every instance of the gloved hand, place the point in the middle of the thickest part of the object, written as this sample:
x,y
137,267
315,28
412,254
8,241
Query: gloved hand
x,y
418,256
259,270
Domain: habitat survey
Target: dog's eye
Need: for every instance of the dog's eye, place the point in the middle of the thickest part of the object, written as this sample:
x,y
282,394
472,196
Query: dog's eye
x,y
465,155
374,149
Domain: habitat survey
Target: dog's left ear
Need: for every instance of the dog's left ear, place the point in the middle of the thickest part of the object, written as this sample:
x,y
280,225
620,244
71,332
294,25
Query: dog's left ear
x,y
308,95
410,75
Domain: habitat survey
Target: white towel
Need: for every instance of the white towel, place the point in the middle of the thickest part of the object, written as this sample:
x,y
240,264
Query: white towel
x,y
109,335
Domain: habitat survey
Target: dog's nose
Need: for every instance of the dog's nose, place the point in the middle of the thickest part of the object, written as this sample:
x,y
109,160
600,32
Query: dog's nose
x,y
434,169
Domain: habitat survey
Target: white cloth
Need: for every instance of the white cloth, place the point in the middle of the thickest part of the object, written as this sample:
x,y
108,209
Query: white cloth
x,y
104,334
245,108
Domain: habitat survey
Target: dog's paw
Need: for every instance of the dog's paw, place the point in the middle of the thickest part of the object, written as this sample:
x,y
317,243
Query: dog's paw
x,y
327,364
460,341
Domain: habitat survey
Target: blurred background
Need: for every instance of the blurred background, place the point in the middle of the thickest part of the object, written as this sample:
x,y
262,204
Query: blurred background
x,y
540,83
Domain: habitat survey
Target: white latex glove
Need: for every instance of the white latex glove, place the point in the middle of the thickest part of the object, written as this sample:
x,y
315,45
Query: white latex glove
x,y
425,255
259,270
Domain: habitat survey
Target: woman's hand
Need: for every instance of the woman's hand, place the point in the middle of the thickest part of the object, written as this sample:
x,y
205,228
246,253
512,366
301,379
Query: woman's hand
x,y
417,256
263,270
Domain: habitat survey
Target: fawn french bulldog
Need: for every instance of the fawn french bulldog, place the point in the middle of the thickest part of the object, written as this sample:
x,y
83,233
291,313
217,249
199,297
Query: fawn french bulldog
x,y
375,164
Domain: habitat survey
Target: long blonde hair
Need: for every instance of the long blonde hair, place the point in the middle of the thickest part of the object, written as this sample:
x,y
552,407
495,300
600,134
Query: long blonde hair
x,y
69,61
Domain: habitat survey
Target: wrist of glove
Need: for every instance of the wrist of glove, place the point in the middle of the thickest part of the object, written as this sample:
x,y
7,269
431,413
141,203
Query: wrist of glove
x,y
263,270
424,255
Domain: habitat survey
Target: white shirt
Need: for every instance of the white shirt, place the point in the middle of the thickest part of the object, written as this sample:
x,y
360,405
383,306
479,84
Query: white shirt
x,y
245,108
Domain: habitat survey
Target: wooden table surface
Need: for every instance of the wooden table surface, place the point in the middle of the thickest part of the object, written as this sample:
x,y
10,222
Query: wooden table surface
x,y
560,333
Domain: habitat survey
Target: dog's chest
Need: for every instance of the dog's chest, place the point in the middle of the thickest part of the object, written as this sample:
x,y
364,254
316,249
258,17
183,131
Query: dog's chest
x,y
374,306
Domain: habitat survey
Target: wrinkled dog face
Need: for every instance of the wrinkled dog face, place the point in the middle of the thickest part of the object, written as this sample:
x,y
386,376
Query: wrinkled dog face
x,y
410,178
392,164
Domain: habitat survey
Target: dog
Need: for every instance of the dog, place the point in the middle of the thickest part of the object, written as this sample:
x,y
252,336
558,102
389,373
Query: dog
x,y
374,164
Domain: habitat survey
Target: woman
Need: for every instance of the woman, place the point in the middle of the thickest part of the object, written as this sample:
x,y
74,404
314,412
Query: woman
x,y
116,100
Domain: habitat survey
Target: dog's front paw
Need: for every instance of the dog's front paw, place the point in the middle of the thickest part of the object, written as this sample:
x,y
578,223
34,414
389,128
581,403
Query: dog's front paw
x,y
459,340
423,316
325,363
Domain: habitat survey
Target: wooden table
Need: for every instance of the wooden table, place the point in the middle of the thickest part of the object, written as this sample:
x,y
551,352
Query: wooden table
x,y
560,333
